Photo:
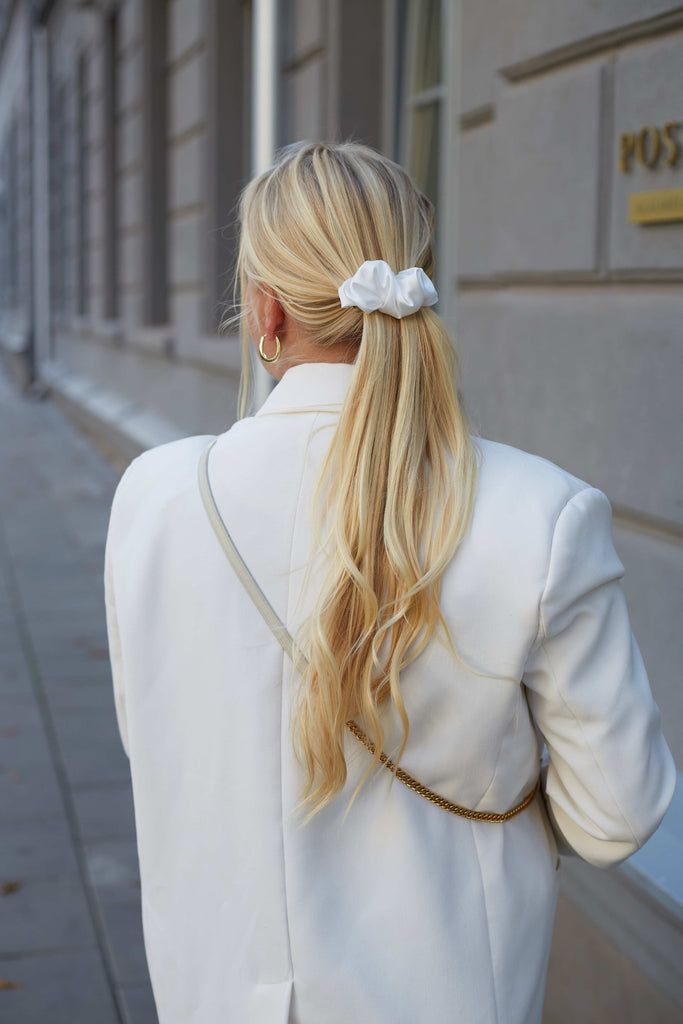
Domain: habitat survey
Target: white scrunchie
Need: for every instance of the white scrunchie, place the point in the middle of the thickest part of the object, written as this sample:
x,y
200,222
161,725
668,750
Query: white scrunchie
x,y
375,286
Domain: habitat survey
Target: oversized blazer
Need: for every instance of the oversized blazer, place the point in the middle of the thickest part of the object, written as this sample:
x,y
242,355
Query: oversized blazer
x,y
397,912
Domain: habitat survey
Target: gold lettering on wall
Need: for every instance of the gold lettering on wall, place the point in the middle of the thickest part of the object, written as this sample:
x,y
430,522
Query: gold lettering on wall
x,y
627,146
656,207
650,147
671,143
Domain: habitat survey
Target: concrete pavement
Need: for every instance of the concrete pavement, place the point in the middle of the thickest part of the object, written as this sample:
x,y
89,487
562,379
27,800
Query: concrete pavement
x,y
71,947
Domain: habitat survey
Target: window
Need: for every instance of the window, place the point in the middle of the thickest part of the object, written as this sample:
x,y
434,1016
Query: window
x,y
421,92
229,143
9,223
424,139
111,289
82,186
58,175
155,184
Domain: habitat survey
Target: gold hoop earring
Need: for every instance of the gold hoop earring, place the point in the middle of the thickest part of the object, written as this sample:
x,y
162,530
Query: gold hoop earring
x,y
264,357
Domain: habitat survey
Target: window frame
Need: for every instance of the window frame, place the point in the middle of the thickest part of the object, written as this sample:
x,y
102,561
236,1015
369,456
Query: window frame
x,y
397,109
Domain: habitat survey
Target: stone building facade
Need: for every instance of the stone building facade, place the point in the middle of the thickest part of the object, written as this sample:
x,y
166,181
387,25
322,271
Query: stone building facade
x,y
542,129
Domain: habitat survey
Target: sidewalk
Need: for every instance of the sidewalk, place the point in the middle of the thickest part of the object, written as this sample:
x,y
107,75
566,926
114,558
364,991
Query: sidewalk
x,y
71,947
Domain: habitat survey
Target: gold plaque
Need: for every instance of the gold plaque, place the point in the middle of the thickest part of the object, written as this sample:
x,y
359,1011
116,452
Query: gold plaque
x,y
655,207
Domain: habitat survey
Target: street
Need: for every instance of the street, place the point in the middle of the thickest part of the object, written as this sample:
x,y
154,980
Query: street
x,y
71,948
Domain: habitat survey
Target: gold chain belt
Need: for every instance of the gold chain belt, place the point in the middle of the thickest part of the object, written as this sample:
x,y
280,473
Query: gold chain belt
x,y
441,801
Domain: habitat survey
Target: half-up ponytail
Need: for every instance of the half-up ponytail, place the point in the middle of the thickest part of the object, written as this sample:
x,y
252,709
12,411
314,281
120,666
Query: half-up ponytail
x,y
397,488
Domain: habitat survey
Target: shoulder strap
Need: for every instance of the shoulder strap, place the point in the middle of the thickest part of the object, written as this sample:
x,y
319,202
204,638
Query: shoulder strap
x,y
281,634
263,605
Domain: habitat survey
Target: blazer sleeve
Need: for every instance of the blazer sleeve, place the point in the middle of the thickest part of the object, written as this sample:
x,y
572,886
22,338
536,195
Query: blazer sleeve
x,y
116,524
115,657
610,774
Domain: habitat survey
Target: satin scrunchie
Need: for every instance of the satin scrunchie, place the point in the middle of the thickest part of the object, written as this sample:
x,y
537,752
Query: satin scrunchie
x,y
375,286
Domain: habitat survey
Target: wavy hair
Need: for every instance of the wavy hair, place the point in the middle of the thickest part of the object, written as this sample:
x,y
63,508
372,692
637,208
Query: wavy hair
x,y
397,488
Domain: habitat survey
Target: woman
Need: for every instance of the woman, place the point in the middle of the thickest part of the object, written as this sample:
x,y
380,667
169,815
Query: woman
x,y
456,600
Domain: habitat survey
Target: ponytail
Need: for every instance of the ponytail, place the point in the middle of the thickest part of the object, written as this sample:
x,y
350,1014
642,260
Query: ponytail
x,y
398,484
396,491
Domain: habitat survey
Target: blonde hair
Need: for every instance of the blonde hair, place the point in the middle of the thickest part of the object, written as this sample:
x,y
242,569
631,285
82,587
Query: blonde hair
x,y
397,487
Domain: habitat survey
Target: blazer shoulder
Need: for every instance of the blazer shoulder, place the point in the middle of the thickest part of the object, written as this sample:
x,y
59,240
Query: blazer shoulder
x,y
519,502
520,481
156,478
167,462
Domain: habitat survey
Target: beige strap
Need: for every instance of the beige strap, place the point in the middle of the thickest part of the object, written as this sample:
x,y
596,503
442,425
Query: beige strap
x,y
262,603
281,634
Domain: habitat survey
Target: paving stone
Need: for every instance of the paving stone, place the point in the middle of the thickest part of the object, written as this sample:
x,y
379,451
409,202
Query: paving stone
x,y
28,784
21,733
29,793
57,988
64,684
91,747
91,693
54,508
14,676
70,645
113,866
123,922
61,620
71,664
105,812
140,1004
45,914
40,848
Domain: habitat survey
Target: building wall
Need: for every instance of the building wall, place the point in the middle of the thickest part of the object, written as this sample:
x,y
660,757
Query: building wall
x,y
160,377
569,319
569,316
149,339
15,191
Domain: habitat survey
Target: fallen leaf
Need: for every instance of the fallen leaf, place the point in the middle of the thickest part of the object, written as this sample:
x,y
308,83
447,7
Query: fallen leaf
x,y
7,888
98,653
4,983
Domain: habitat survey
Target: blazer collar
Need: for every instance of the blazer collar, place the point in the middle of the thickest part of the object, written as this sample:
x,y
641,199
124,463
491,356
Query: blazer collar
x,y
314,387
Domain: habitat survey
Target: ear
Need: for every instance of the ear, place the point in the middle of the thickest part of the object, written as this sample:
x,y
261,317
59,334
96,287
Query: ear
x,y
273,313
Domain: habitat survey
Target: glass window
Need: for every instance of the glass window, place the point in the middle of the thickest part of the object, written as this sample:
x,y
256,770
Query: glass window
x,y
229,163
155,164
421,91
111,288
58,177
82,185
6,200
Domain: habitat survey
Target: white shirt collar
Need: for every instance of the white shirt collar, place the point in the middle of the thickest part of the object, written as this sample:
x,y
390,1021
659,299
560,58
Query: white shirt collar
x,y
309,386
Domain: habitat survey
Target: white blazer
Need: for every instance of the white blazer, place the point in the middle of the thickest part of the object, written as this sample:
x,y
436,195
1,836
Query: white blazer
x,y
402,913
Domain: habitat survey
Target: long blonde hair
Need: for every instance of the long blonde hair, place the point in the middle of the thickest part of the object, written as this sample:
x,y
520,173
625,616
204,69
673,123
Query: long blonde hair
x,y
397,487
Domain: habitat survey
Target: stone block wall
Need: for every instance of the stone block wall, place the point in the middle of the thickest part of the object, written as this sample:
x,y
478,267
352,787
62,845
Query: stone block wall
x,y
15,201
171,367
569,316
159,366
569,319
